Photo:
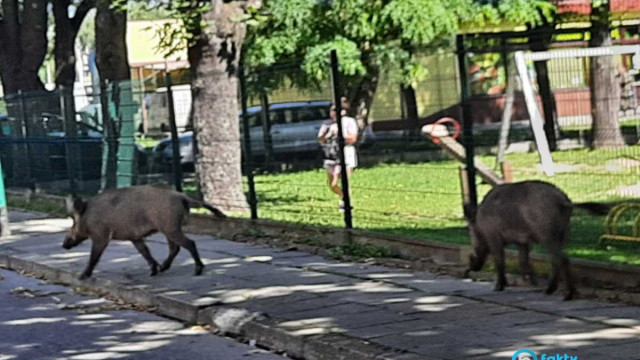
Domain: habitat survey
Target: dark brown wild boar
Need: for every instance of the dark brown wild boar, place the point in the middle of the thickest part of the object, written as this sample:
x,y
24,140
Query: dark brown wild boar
x,y
132,214
524,213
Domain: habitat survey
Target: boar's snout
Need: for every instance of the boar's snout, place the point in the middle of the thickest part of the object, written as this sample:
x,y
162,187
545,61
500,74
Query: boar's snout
x,y
68,243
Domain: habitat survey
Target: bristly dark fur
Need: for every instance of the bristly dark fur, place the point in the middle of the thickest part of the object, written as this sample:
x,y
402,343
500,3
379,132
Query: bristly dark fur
x,y
523,214
134,213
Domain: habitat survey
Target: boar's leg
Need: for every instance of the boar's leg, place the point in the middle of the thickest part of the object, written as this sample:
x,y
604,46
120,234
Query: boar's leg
x,y
553,278
173,251
525,267
498,256
179,238
566,272
97,248
146,254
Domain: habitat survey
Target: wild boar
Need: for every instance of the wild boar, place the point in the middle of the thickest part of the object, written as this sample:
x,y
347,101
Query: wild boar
x,y
524,213
132,214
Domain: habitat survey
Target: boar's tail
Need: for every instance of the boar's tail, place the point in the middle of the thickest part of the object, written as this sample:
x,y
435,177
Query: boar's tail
x,y
215,211
594,208
187,201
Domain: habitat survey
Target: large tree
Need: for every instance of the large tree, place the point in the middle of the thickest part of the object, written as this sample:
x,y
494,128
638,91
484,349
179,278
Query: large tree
x,y
112,58
67,27
23,44
215,32
605,89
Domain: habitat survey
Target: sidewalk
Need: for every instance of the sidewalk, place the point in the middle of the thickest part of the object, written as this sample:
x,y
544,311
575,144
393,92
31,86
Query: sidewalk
x,y
315,308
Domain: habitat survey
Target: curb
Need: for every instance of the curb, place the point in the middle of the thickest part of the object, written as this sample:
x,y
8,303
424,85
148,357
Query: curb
x,y
236,322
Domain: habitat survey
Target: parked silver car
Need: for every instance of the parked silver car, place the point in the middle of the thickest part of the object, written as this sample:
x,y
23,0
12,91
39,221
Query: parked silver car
x,y
294,130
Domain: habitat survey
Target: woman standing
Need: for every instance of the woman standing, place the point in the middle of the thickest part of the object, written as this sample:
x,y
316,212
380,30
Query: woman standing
x,y
328,139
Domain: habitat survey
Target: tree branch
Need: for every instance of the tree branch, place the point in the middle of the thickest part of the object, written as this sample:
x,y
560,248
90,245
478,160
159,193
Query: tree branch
x,y
81,13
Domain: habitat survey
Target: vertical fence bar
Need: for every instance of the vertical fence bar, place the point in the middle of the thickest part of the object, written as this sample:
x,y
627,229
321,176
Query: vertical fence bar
x,y
70,139
175,141
24,130
248,159
4,214
335,80
467,121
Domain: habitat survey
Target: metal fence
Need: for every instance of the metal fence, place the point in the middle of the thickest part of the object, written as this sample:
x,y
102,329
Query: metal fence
x,y
404,182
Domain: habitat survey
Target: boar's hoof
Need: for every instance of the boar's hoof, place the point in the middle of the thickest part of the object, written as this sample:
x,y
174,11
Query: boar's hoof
x,y
84,276
466,273
570,295
551,289
154,269
499,287
164,267
199,269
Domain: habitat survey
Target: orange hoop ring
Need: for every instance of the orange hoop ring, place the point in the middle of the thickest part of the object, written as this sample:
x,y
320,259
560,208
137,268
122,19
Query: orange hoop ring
x,y
445,120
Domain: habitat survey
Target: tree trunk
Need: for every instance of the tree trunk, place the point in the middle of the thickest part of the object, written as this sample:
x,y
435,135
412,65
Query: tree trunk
x,y
23,44
112,62
214,62
411,106
66,32
112,59
605,91
361,96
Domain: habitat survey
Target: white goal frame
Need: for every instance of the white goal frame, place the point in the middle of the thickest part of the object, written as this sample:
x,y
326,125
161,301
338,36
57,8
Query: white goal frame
x,y
535,117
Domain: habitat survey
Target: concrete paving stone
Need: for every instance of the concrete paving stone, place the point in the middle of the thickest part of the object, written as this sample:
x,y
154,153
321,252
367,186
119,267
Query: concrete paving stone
x,y
442,344
611,315
299,261
402,277
40,226
629,350
402,325
331,308
274,303
290,278
444,285
448,307
16,216
343,322
373,297
536,300
230,295
587,335
350,268
284,306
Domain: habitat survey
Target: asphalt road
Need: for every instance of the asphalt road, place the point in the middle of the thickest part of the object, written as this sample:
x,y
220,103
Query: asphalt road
x,y
44,321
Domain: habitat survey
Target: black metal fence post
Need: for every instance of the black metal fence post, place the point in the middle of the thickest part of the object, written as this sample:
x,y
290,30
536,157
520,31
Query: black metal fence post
x,y
71,134
24,132
248,159
467,121
335,80
175,141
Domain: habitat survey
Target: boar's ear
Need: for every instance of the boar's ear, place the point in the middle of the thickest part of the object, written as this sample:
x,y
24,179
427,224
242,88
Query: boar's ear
x,y
75,205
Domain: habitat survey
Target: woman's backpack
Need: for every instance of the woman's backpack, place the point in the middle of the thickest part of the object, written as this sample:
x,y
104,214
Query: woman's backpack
x,y
331,149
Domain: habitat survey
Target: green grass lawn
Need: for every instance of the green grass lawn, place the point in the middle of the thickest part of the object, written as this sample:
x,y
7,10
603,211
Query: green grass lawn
x,y
424,200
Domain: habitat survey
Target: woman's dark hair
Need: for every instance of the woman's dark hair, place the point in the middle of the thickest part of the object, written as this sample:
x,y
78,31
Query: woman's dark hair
x,y
344,104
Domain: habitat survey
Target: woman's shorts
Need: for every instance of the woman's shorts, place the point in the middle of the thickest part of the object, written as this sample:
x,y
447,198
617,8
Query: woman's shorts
x,y
350,158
